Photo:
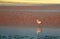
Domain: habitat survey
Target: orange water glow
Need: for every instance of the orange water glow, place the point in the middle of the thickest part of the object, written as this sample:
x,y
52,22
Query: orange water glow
x,y
38,27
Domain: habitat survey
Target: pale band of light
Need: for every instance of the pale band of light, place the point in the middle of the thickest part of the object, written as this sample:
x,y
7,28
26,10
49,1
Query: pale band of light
x,y
11,10
33,1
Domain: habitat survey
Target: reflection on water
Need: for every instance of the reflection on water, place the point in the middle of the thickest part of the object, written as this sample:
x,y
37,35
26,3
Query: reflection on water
x,y
15,37
27,37
29,33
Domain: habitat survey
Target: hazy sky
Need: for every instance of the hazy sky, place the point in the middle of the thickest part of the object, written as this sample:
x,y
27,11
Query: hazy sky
x,y
34,1
49,15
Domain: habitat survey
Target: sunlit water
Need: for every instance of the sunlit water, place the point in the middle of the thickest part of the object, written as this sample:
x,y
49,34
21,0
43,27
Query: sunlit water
x,y
29,33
